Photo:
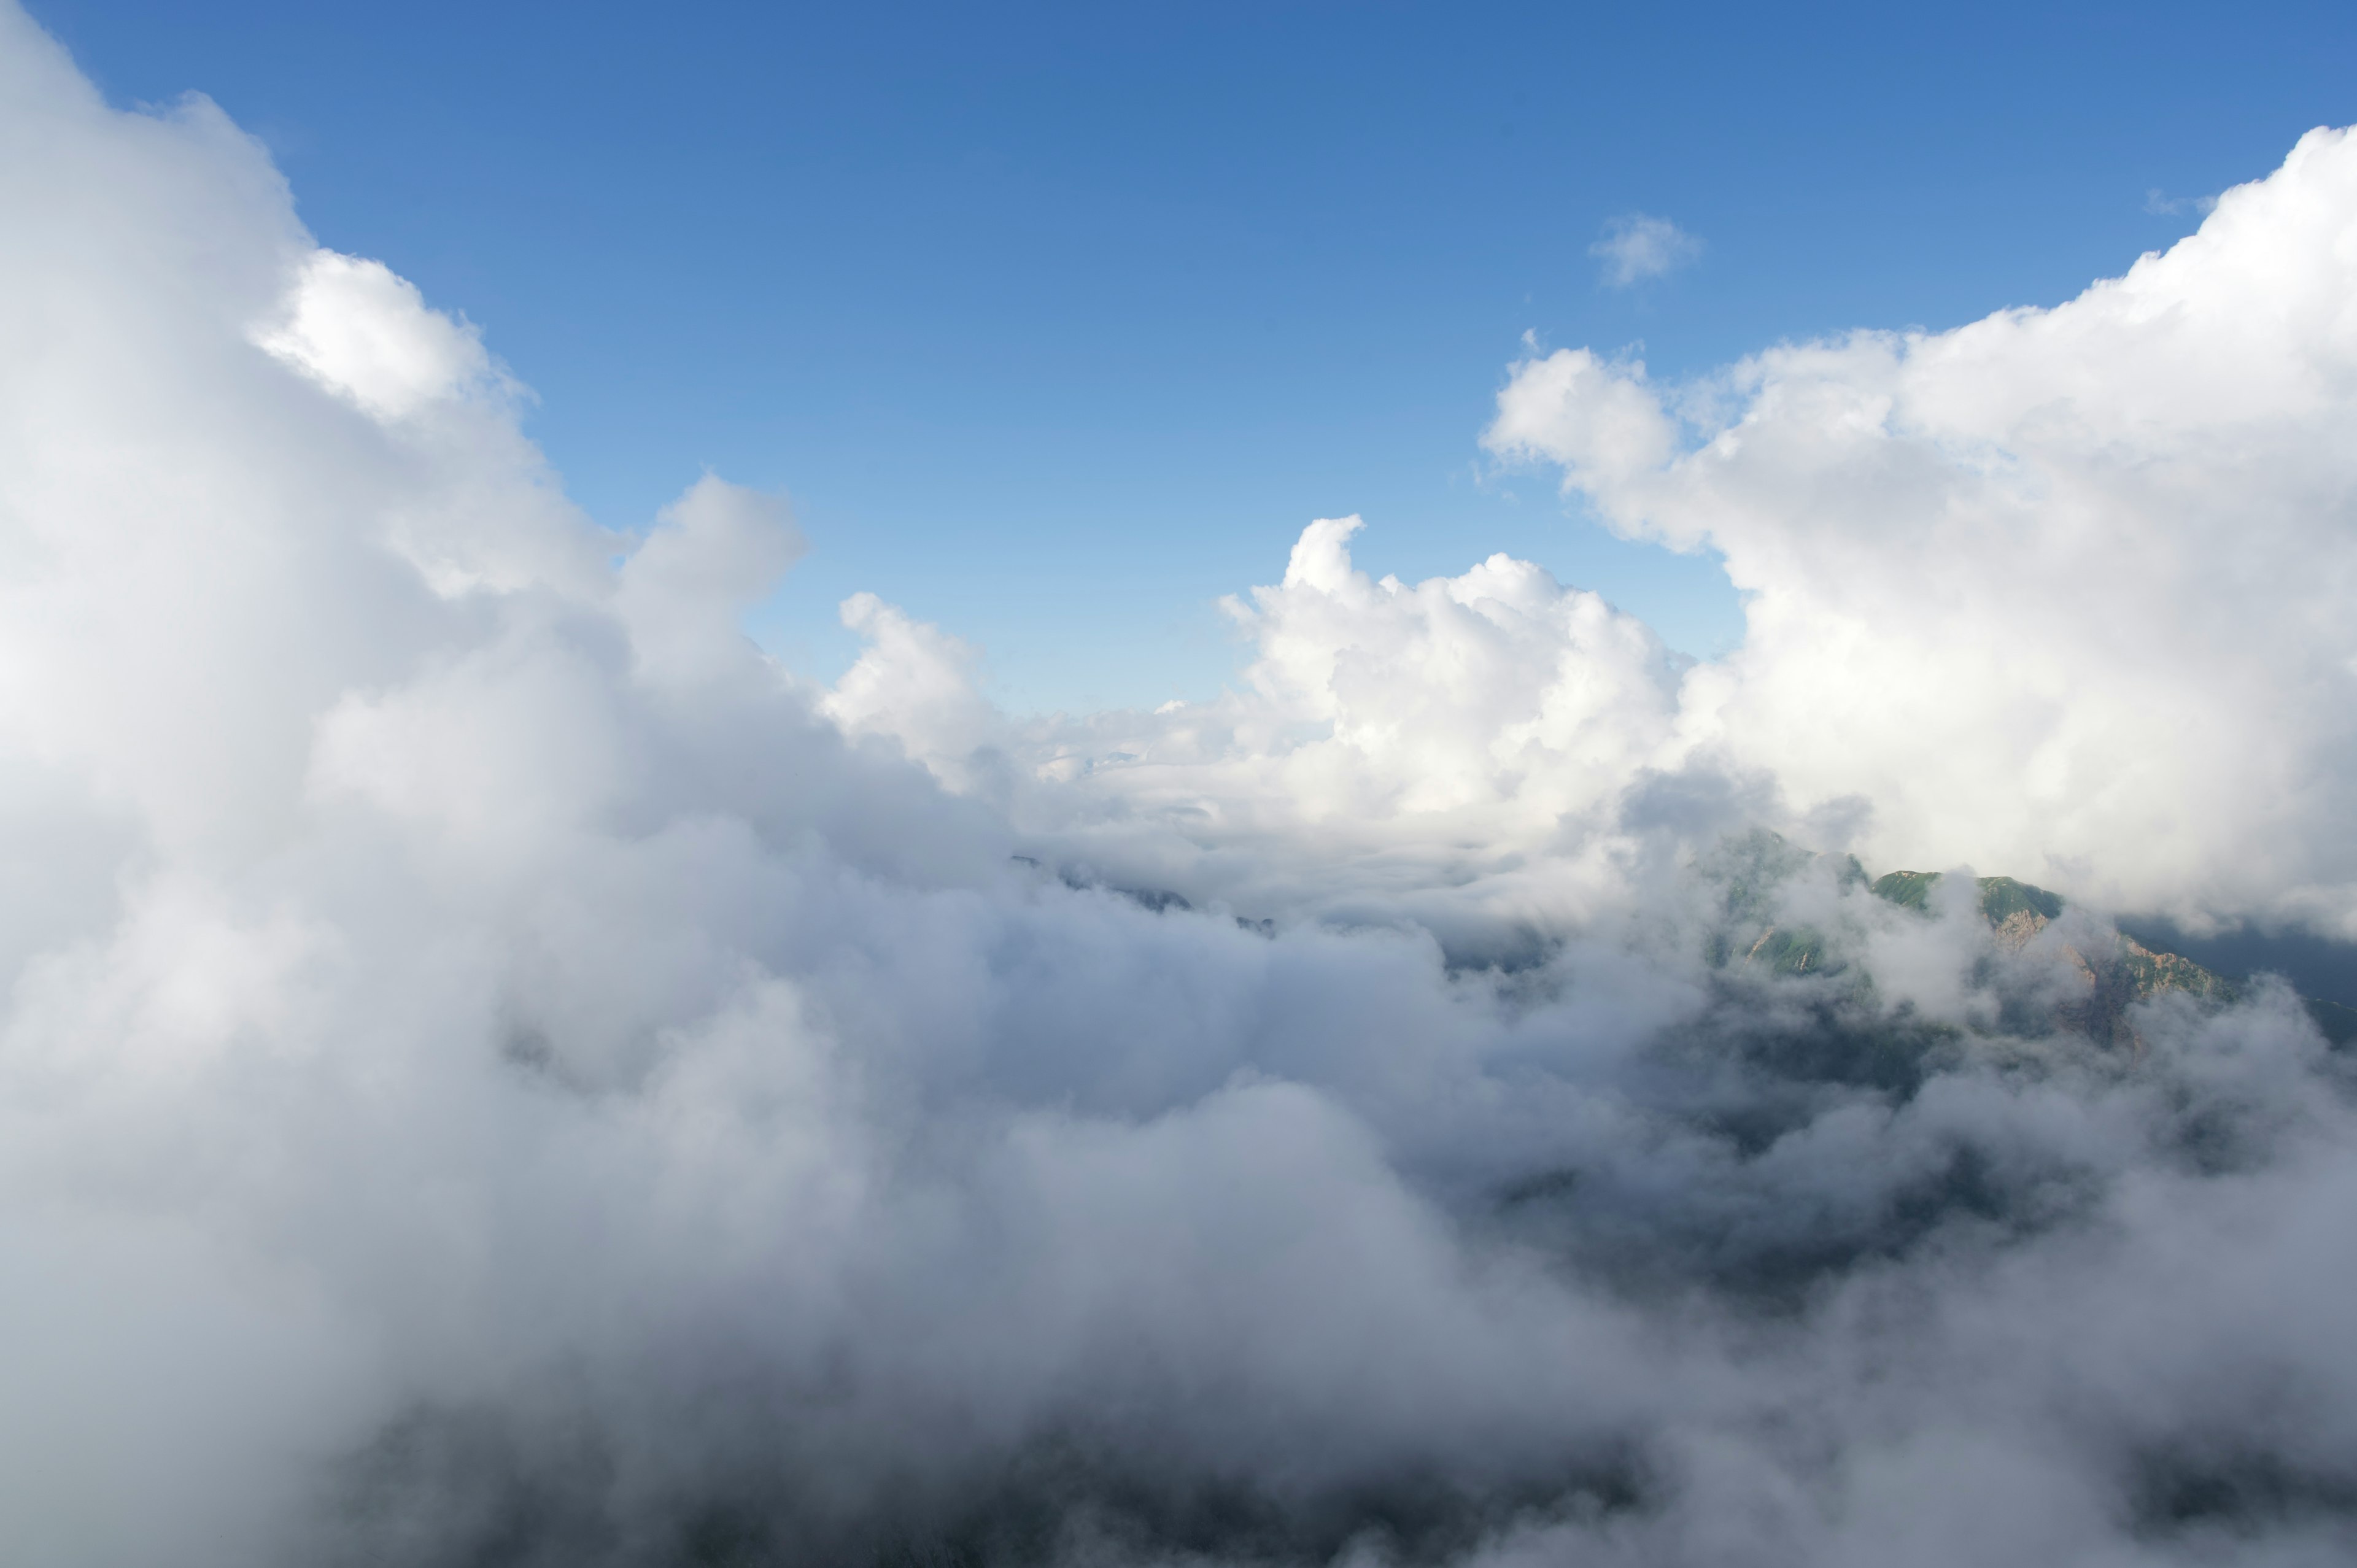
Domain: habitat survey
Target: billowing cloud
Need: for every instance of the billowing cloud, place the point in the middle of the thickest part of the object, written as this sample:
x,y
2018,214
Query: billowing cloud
x,y
367,333
2063,590
1636,246
493,1070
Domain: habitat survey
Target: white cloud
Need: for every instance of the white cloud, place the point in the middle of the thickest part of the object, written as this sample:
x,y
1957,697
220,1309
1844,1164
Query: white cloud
x,y
915,685
2063,590
367,334
2160,204
714,554
494,1066
1636,246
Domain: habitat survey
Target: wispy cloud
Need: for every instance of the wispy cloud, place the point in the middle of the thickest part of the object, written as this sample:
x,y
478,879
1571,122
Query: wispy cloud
x,y
1637,245
2160,204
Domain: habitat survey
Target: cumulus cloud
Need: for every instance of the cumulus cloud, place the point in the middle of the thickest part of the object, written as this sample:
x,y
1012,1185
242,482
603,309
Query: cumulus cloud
x,y
1636,246
2063,590
713,554
494,1070
365,332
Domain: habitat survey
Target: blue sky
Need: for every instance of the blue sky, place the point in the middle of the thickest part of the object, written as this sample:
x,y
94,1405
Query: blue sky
x,y
1058,322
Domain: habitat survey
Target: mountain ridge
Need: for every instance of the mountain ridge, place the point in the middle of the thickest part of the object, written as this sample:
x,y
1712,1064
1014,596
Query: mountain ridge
x,y
2017,911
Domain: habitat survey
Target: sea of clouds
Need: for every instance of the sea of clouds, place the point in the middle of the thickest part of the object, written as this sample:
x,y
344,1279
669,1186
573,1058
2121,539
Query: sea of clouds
x,y
495,1071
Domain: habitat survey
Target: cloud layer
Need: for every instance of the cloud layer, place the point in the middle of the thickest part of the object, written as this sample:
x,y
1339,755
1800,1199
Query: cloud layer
x,y
495,1071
